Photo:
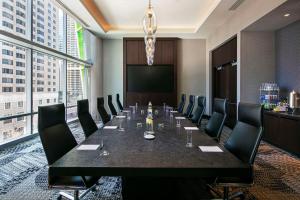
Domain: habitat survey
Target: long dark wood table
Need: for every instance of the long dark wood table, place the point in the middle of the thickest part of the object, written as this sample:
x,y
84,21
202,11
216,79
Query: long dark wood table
x,y
130,155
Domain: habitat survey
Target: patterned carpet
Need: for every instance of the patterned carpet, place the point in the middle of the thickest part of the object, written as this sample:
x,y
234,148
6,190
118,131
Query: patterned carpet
x,y
23,174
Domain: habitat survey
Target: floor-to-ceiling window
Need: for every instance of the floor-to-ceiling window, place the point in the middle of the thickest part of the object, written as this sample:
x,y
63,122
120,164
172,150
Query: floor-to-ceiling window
x,y
48,67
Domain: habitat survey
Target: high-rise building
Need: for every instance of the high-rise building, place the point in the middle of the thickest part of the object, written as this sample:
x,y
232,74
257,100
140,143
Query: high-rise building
x,y
47,29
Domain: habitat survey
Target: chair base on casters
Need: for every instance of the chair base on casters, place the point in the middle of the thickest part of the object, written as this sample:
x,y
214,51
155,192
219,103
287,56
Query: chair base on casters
x,y
225,194
76,195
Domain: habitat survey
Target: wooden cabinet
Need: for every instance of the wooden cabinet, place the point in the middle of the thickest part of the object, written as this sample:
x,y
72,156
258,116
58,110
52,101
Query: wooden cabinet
x,y
283,131
271,126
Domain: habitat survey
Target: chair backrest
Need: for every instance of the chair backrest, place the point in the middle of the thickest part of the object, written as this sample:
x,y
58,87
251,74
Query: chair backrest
x,y
119,102
198,114
101,109
87,123
54,132
215,124
181,104
111,105
189,109
247,133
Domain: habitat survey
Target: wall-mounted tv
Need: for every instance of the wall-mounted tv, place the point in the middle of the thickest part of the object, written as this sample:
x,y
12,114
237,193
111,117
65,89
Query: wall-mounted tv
x,y
157,78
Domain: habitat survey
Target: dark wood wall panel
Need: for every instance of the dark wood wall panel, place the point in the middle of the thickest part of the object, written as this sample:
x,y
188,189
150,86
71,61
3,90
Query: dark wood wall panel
x,y
225,77
134,54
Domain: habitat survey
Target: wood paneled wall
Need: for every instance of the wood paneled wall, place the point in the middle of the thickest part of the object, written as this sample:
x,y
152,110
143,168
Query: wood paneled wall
x,y
225,77
134,54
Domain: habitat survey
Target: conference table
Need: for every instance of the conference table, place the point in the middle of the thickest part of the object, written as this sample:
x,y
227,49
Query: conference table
x,y
164,157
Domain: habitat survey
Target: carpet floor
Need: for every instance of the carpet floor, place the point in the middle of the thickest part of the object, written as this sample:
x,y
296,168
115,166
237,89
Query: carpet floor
x,y
23,174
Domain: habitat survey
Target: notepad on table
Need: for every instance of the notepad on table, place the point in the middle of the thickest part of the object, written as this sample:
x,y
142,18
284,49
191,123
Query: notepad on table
x,y
210,149
120,116
191,128
180,118
110,127
88,147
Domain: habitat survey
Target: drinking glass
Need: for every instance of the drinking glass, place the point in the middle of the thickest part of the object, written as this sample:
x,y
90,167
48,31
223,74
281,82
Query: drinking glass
x,y
160,126
171,116
103,152
128,116
178,123
189,139
139,125
142,112
120,125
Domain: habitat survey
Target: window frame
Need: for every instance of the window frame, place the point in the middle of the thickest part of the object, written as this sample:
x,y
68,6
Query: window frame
x,y
27,42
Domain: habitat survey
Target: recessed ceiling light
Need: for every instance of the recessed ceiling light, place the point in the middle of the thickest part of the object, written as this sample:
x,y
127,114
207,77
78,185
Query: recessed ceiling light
x,y
287,14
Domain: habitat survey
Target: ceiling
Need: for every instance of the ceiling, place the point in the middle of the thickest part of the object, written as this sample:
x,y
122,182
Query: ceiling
x,y
276,19
172,15
175,18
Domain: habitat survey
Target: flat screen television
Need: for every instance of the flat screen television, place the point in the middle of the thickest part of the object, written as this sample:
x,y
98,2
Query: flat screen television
x,y
157,78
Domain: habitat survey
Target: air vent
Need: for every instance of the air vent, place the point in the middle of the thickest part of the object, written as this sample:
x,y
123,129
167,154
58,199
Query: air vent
x,y
236,5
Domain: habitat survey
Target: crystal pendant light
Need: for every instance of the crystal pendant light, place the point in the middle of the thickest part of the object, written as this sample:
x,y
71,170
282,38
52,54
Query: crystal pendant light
x,y
150,27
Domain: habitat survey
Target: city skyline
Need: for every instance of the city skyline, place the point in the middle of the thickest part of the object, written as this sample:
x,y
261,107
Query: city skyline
x,y
48,75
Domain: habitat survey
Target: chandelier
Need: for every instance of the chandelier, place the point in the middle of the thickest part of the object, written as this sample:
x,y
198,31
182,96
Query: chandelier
x,y
150,27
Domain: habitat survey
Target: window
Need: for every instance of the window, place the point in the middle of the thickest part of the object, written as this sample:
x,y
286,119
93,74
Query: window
x,y
7,15
20,119
7,52
20,64
20,55
75,87
43,93
45,25
20,89
19,72
7,24
6,5
7,80
7,71
7,89
20,81
7,121
75,42
7,61
54,80
20,104
7,105
13,96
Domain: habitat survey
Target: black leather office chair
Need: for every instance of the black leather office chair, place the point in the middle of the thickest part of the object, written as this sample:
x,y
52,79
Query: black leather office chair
x,y
215,124
57,140
189,109
181,104
243,143
101,109
111,105
198,114
119,102
87,123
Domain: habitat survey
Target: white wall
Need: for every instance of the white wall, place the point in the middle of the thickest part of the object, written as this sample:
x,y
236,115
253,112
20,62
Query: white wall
x,y
246,14
191,67
94,54
257,63
112,69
